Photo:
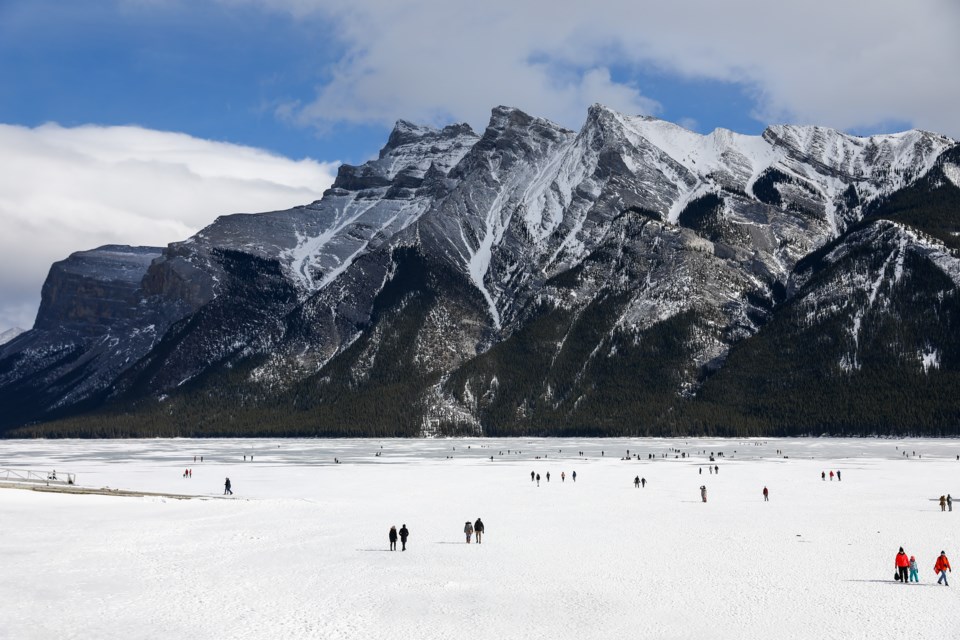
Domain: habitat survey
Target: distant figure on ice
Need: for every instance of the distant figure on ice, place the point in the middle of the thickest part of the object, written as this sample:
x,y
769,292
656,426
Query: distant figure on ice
x,y
823,475
766,495
548,476
941,567
538,479
468,530
949,503
914,572
943,503
226,487
563,478
636,482
643,482
574,476
478,529
902,563
403,537
838,475
831,476
703,492
531,476
393,538
701,470
716,468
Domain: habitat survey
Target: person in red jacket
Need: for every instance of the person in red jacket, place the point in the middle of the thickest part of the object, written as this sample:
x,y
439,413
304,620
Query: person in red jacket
x,y
902,563
941,567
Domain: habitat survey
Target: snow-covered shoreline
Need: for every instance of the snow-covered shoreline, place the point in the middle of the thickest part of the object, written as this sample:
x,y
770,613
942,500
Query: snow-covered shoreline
x,y
301,551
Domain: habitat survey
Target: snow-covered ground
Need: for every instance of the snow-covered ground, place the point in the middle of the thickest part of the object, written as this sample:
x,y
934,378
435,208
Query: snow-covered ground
x,y
300,550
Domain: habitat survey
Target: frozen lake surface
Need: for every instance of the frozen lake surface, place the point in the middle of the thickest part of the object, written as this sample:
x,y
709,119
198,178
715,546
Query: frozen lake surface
x,y
300,550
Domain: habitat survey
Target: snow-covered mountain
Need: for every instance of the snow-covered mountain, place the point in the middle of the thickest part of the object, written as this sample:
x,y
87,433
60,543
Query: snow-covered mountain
x,y
530,279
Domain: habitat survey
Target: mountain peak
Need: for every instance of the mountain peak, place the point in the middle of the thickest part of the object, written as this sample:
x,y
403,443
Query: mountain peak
x,y
406,134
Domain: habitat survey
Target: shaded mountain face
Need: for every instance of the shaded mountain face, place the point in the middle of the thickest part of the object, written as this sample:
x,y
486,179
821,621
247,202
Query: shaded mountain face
x,y
630,278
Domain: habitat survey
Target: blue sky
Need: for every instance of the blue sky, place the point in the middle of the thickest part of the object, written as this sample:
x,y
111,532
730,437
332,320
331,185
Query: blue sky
x,y
222,72
129,94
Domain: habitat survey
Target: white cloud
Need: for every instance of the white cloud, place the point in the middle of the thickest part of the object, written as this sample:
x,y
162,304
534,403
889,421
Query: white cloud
x,y
839,64
70,189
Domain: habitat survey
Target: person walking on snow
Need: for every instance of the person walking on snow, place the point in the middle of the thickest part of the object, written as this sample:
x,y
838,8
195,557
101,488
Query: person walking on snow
x,y
766,495
902,563
531,476
703,492
393,538
574,476
403,537
563,478
943,503
468,530
636,482
831,476
478,529
538,479
643,482
548,476
941,567
226,487
949,503
914,572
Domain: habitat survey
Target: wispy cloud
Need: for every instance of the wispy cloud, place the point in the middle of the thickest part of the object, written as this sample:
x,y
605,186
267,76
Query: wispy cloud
x,y
845,65
69,189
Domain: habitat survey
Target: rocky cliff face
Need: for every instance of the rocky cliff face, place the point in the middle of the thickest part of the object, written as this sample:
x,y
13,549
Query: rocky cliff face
x,y
626,278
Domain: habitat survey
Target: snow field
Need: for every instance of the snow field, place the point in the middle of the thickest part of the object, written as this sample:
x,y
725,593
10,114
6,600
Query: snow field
x,y
301,549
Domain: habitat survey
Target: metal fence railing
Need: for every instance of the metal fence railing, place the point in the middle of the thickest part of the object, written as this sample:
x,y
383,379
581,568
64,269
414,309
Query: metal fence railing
x,y
43,477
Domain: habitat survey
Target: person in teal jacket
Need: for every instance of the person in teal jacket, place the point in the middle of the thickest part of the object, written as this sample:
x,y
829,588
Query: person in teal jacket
x,y
914,573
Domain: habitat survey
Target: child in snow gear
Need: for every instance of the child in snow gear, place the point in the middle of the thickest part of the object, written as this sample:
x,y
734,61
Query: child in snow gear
x,y
902,563
914,572
393,538
403,537
941,567
468,530
478,529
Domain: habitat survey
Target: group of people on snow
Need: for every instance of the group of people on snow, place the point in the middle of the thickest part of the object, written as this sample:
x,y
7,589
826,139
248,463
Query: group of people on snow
x,y
534,476
469,529
907,568
946,503
474,528
403,534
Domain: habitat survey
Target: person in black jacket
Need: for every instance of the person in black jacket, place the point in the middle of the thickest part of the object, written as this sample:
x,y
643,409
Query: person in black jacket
x,y
478,529
393,538
403,537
